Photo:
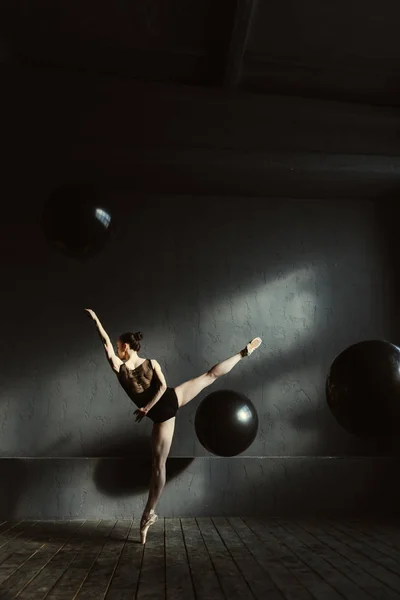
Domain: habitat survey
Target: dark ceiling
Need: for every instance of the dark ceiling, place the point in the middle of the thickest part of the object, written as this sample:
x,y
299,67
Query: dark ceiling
x,y
344,50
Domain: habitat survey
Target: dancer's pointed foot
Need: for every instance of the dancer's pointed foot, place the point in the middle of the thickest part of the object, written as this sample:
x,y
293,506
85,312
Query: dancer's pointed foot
x,y
251,346
147,520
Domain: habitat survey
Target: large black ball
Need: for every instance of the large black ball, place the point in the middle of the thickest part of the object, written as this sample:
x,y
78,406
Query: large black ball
x,y
363,389
76,221
226,423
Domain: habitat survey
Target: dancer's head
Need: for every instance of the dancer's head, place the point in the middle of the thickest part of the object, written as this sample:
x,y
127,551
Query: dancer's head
x,y
128,342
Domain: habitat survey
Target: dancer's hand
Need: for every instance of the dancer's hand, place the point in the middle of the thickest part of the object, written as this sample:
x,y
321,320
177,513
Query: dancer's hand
x,y
91,313
140,413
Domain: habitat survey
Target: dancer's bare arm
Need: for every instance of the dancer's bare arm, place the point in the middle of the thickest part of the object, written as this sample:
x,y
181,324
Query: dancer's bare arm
x,y
159,373
112,358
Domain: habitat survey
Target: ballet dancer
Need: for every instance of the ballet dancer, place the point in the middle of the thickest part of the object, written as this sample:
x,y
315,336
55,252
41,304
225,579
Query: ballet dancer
x,y
144,382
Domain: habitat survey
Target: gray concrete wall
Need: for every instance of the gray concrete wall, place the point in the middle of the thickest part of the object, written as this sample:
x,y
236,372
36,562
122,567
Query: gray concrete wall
x,y
117,488
200,277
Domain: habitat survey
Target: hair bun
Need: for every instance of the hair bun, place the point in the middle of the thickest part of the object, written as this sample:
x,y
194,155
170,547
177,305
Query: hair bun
x,y
138,336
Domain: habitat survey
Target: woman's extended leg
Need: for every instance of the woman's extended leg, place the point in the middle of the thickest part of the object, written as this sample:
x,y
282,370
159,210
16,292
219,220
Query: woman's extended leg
x,y
161,440
190,389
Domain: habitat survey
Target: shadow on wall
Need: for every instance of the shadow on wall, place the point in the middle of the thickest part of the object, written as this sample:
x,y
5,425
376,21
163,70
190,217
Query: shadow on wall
x,y
114,476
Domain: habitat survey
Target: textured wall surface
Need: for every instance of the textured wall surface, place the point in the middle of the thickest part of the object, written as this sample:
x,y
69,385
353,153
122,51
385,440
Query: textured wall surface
x,y
199,277
116,488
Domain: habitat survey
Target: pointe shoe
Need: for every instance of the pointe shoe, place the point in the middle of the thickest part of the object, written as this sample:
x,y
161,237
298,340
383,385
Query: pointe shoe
x,y
251,346
145,524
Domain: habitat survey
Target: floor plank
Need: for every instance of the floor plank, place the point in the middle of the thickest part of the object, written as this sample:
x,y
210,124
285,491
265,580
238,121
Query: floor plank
x,y
178,577
97,582
46,579
35,556
382,532
152,573
72,580
261,585
7,527
290,574
14,538
124,583
201,559
19,550
381,567
204,577
347,560
308,550
389,557
231,579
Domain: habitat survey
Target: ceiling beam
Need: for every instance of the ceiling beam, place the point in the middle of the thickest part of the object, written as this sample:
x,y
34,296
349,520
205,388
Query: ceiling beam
x,y
244,13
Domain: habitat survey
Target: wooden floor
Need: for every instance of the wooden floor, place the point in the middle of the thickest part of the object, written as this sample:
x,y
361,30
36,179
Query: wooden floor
x,y
201,558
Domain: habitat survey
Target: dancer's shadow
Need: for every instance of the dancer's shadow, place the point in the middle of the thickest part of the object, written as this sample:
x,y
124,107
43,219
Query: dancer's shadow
x,y
125,469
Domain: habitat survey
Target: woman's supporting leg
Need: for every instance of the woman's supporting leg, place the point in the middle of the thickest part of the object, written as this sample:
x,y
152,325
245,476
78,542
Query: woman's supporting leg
x,y
161,440
190,389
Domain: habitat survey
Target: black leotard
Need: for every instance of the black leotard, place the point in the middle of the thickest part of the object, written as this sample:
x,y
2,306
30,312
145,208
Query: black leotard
x,y
142,384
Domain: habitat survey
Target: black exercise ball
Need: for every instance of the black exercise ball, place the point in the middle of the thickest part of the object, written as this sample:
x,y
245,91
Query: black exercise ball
x,y
76,221
363,389
226,423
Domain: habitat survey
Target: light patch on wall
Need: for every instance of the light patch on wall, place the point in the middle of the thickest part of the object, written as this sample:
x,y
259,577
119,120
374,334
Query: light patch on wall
x,y
287,306
293,402
197,488
295,391
283,310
